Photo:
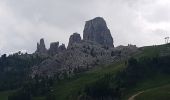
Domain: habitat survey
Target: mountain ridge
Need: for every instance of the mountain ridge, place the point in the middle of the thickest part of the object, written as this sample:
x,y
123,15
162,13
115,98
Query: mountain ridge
x,y
95,48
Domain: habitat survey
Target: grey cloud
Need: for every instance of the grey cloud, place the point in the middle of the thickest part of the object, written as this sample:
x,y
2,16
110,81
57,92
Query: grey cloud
x,y
130,21
61,13
160,14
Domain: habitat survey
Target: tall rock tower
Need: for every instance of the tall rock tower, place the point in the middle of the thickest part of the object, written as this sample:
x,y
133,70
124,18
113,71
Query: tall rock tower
x,y
41,47
53,48
74,38
96,30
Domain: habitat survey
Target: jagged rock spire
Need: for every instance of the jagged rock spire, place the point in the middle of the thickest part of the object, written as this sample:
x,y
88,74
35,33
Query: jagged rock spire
x,y
74,38
53,48
96,30
41,47
61,48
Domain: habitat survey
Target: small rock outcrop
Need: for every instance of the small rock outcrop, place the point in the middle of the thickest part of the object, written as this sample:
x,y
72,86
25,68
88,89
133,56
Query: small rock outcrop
x,y
74,38
96,30
53,48
41,47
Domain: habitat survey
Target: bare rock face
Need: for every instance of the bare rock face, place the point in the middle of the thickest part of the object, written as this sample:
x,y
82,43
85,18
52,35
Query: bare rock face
x,y
95,49
62,48
75,38
96,30
47,68
53,48
41,47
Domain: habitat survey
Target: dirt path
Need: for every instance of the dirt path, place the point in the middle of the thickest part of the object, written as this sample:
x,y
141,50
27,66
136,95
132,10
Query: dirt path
x,y
135,95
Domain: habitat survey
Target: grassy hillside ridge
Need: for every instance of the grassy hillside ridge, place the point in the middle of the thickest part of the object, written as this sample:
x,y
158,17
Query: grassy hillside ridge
x,y
156,50
148,84
70,88
158,93
4,95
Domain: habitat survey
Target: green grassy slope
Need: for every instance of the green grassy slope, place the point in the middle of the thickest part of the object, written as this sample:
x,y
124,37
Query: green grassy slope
x,y
154,88
70,88
159,93
152,51
148,86
4,95
64,89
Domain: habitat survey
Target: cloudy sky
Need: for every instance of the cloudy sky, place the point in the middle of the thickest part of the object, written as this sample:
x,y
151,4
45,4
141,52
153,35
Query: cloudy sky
x,y
24,22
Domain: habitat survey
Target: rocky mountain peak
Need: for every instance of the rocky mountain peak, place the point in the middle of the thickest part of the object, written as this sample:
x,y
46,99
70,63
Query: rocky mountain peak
x,y
74,38
61,48
53,48
96,30
41,47
95,49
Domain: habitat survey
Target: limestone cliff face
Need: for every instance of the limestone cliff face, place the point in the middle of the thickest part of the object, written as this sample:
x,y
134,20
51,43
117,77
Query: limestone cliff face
x,y
41,47
94,49
74,38
53,48
96,30
62,48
